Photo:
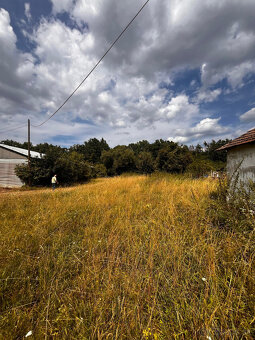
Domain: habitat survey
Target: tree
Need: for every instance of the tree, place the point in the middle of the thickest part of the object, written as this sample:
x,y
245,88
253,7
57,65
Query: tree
x,y
45,147
216,155
199,167
198,149
141,146
37,175
107,158
160,144
173,160
145,163
124,160
71,168
118,160
99,170
92,149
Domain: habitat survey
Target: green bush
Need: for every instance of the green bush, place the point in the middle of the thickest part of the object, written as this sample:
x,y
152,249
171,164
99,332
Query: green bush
x,y
119,160
99,170
173,159
145,163
199,168
70,167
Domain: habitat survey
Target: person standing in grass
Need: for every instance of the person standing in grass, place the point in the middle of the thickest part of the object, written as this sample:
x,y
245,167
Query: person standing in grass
x,y
54,182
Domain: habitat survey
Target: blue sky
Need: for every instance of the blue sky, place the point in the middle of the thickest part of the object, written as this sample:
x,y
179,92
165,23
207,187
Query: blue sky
x,y
184,71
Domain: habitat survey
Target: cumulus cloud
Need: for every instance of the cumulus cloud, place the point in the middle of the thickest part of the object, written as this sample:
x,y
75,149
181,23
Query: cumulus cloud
x,y
207,127
16,69
169,35
125,92
249,116
179,107
208,96
235,74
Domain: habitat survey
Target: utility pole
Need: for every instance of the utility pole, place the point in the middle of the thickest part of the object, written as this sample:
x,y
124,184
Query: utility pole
x,y
28,147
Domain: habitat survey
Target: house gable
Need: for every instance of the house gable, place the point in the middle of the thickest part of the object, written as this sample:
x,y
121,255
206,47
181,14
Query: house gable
x,y
10,154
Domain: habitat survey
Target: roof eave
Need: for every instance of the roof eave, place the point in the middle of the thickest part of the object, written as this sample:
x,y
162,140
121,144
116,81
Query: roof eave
x,y
22,154
227,147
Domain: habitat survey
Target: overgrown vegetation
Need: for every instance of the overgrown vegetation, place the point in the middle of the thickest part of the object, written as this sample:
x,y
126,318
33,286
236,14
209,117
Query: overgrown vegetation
x,y
95,158
233,206
141,257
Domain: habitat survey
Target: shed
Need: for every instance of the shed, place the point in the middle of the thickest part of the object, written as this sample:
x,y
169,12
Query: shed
x,y
241,157
11,156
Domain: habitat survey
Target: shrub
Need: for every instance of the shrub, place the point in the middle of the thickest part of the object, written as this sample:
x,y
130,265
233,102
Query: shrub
x,y
173,160
145,163
99,170
70,168
199,168
119,160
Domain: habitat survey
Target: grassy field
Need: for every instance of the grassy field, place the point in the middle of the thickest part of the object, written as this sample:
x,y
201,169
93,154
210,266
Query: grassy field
x,y
124,258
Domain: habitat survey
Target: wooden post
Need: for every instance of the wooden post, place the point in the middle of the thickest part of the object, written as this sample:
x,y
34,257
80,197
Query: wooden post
x,y
29,155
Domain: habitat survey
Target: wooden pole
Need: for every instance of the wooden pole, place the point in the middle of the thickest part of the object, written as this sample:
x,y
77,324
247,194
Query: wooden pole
x,y
29,155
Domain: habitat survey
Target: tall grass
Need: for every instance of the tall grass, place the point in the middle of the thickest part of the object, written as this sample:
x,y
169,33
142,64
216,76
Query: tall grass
x,y
123,258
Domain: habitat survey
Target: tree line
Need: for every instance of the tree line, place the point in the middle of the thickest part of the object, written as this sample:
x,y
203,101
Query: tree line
x,y
94,158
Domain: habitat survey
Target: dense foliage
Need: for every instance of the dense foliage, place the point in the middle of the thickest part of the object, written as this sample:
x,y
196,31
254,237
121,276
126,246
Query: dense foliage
x,y
94,158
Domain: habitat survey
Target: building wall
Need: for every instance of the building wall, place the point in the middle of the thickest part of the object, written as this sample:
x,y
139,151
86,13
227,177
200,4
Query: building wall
x,y
8,154
8,178
8,162
241,161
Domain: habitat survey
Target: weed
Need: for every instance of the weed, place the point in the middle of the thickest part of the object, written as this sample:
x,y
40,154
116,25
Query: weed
x,y
125,258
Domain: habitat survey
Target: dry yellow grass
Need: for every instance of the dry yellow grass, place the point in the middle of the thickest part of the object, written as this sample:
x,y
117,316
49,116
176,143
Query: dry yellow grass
x,y
123,258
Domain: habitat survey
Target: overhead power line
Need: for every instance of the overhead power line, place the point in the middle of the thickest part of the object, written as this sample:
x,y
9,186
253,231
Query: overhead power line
x,y
13,129
99,61
92,70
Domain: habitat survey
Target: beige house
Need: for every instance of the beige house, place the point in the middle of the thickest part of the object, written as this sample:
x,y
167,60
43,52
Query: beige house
x,y
10,156
241,158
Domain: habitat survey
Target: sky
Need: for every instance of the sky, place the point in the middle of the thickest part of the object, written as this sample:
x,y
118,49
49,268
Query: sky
x,y
184,71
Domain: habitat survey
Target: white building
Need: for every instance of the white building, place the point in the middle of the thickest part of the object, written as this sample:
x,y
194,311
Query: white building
x,y
241,158
10,156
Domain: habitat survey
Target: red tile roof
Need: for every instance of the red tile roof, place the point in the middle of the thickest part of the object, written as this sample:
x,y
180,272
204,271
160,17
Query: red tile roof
x,y
247,137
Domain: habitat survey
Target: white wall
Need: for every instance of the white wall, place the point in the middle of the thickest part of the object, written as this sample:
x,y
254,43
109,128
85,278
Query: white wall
x,y
8,179
241,160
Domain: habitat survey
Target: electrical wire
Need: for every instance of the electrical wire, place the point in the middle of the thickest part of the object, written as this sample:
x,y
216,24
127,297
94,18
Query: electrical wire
x,y
92,70
16,128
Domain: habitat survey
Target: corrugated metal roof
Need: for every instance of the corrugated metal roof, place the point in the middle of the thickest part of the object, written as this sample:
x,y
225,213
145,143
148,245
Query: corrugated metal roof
x,y
247,137
23,152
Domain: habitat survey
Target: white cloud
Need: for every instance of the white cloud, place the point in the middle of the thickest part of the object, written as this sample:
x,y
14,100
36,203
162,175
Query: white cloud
x,y
16,69
179,107
235,74
179,139
208,96
124,92
62,5
27,11
169,34
249,116
206,128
